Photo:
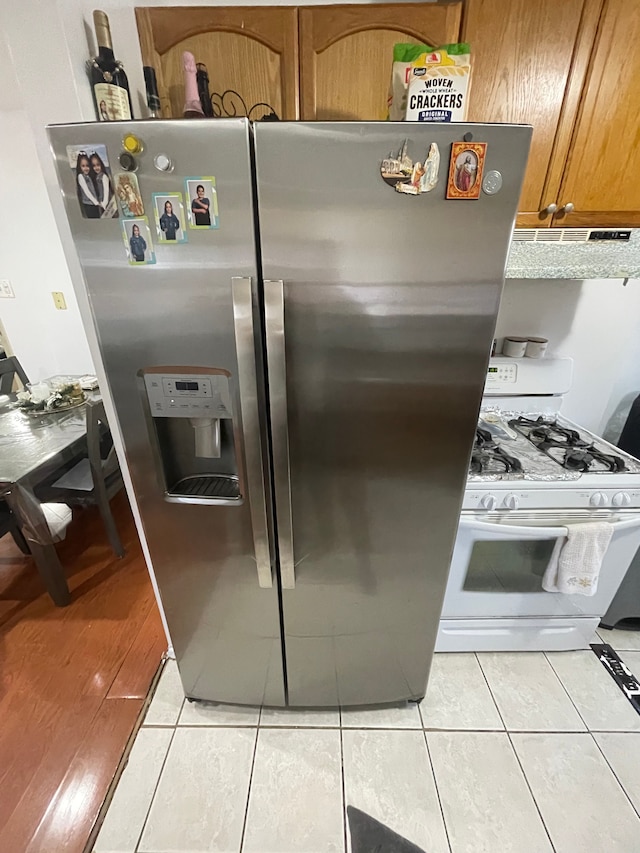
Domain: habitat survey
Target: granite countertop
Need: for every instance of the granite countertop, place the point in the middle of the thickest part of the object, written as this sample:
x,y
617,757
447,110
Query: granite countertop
x,y
606,259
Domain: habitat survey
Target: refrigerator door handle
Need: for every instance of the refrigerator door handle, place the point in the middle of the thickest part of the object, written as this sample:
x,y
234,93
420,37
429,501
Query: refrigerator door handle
x,y
245,353
277,368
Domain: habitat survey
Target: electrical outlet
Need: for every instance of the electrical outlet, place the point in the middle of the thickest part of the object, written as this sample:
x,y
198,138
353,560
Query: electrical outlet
x,y
59,300
6,291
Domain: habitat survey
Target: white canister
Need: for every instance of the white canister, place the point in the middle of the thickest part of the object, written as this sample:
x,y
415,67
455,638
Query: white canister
x,y
536,347
514,347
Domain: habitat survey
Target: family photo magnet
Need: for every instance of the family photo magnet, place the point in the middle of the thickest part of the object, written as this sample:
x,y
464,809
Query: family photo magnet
x,y
405,176
465,169
129,196
138,242
94,186
202,202
169,215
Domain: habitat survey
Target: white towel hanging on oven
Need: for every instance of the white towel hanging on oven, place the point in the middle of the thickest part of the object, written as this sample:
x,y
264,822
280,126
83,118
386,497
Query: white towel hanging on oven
x,y
574,566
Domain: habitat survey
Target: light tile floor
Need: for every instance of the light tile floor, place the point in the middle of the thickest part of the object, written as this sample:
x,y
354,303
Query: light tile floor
x,y
508,753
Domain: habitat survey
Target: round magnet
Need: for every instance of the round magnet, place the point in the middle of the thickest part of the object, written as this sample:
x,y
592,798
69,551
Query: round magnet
x,y
127,161
131,143
492,182
163,163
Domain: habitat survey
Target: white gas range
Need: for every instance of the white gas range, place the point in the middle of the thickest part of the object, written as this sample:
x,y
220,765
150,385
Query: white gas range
x,y
533,473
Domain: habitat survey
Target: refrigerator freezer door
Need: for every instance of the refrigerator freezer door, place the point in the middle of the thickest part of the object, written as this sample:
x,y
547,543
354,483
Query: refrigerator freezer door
x,y
389,303
191,314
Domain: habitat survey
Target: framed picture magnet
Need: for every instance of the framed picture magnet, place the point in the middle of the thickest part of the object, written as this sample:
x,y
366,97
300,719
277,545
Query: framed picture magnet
x,y
465,170
168,210
94,186
129,195
405,176
137,240
202,202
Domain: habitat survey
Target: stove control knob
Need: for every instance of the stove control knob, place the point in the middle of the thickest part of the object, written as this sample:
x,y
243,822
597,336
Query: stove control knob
x,y
598,499
489,502
621,499
512,502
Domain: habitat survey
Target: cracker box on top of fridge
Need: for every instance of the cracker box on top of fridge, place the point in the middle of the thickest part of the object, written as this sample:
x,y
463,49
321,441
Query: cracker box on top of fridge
x,y
429,83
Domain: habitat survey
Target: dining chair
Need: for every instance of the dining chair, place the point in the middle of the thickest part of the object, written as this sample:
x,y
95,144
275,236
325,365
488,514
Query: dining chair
x,y
8,524
10,368
95,479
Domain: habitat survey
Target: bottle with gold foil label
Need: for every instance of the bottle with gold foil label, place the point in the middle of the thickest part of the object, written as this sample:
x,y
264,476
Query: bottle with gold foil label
x,y
108,78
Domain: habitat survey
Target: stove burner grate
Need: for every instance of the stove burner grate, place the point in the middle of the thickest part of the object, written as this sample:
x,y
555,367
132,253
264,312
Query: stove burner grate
x,y
566,447
490,458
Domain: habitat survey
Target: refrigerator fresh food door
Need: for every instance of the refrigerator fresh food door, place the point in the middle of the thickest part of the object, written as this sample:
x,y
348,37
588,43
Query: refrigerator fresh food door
x,y
180,340
380,309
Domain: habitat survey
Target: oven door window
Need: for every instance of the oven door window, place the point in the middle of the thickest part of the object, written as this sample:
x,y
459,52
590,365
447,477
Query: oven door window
x,y
498,564
508,566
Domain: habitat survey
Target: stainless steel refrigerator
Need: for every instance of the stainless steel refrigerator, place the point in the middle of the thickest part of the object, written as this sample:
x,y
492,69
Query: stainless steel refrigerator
x,y
296,379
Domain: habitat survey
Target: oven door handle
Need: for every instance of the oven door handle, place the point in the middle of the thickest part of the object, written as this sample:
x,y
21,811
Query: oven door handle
x,y
514,532
626,525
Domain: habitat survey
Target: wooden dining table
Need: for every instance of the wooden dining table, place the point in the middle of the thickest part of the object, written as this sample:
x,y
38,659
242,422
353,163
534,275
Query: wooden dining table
x,y
32,448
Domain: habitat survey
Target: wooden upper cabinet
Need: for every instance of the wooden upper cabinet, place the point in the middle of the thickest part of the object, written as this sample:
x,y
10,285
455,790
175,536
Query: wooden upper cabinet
x,y
600,177
346,54
251,50
529,59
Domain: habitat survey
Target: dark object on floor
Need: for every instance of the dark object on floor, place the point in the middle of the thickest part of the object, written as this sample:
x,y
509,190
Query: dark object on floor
x,y
370,836
624,610
630,436
623,677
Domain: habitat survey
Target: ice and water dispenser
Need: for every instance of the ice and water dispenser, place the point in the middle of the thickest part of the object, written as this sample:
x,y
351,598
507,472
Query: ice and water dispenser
x,y
193,432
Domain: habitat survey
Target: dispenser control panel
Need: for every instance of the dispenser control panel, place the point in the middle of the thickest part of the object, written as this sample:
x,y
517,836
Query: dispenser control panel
x,y
189,395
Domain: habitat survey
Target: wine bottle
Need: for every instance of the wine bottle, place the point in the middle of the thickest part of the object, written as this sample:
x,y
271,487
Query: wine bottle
x,y
151,85
109,82
202,78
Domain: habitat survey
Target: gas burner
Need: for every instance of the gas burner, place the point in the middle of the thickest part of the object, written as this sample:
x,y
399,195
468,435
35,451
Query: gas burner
x,y
490,458
566,446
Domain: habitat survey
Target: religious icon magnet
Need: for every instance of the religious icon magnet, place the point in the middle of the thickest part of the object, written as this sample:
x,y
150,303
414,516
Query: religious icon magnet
x,y
465,169
94,187
169,215
399,171
202,202
129,196
138,242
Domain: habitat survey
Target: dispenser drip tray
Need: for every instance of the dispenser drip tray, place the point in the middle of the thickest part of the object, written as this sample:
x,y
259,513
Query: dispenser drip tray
x,y
206,487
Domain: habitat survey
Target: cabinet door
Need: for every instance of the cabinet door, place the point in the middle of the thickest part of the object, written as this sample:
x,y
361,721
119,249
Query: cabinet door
x,y
346,54
250,50
600,178
529,60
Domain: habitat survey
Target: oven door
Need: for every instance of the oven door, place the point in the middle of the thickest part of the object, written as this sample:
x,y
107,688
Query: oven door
x,y
499,560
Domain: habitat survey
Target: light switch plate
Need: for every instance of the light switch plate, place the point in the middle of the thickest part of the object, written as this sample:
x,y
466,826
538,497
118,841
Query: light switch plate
x,y
59,300
6,291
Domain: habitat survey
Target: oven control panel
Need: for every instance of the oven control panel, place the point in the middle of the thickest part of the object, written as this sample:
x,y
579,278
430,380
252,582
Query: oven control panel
x,y
525,377
502,373
510,500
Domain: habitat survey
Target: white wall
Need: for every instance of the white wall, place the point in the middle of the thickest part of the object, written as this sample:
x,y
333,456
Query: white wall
x,y
45,340
595,322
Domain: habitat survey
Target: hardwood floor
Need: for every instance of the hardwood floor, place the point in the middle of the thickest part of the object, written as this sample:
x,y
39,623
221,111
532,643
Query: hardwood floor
x,y
72,682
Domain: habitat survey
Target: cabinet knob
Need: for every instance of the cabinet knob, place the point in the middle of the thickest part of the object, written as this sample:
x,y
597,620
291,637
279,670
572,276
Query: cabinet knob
x,y
550,208
568,207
